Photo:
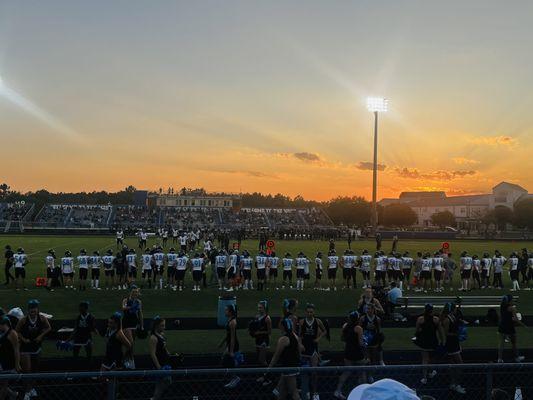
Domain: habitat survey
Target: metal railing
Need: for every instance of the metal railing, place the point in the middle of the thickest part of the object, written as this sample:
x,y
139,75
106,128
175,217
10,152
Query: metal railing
x,y
478,381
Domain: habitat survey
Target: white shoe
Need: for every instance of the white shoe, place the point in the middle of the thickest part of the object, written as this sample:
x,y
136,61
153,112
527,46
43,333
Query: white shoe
x,y
500,361
316,396
233,383
519,359
338,395
458,388
423,381
432,374
275,392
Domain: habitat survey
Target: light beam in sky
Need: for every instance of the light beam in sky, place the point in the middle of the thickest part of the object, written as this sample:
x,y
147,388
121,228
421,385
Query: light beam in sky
x,y
33,109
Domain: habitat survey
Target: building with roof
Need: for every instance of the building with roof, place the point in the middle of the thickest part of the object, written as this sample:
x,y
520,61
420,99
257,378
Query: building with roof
x,y
468,210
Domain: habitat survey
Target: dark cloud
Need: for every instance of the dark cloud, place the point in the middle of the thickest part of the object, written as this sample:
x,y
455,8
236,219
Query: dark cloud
x,y
440,175
307,157
369,166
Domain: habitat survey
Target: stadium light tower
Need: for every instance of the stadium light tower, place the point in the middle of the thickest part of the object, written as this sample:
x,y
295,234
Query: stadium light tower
x,y
375,105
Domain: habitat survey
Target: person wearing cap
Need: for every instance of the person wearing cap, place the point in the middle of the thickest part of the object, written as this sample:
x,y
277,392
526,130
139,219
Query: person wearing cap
x,y
506,328
116,342
84,327
287,355
429,334
354,351
31,329
450,325
8,255
9,356
384,389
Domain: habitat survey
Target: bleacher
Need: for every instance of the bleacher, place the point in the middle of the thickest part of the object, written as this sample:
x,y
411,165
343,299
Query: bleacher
x,y
245,217
88,216
16,217
132,217
190,217
52,216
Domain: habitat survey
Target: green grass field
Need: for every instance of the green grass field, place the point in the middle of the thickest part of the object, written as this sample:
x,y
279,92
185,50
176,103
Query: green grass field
x,y
63,304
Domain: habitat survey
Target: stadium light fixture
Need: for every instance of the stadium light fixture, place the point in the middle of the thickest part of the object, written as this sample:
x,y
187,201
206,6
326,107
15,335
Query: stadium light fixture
x,y
375,105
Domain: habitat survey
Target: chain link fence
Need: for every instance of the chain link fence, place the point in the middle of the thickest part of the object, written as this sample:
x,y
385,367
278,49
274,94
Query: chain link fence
x,y
467,381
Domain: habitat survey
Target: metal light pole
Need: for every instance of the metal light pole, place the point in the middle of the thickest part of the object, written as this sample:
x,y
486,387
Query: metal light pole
x,y
375,105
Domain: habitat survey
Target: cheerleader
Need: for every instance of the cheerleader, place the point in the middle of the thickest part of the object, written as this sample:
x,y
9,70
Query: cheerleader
x,y
133,320
31,329
354,351
9,356
262,332
289,311
84,327
428,336
231,344
373,335
287,355
116,341
157,348
450,324
506,327
311,331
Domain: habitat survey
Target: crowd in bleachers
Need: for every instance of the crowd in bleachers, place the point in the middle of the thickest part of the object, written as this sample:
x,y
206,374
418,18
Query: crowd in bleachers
x,y
282,223
14,211
84,216
135,217
53,216
244,218
190,217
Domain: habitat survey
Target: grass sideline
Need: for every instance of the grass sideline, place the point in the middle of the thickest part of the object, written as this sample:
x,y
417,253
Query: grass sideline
x,y
63,304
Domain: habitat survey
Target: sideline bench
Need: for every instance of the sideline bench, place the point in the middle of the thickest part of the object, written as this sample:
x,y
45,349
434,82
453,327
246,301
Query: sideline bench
x,y
439,301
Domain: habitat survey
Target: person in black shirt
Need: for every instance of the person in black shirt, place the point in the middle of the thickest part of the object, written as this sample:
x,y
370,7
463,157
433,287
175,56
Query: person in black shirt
x,y
9,356
231,343
31,329
287,355
9,264
354,351
160,356
116,341
85,326
506,327
262,332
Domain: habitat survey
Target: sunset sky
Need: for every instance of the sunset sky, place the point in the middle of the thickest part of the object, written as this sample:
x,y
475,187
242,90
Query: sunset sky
x,y
266,96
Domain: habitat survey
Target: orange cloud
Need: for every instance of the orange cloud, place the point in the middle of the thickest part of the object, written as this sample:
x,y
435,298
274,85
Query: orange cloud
x,y
440,175
464,161
494,140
